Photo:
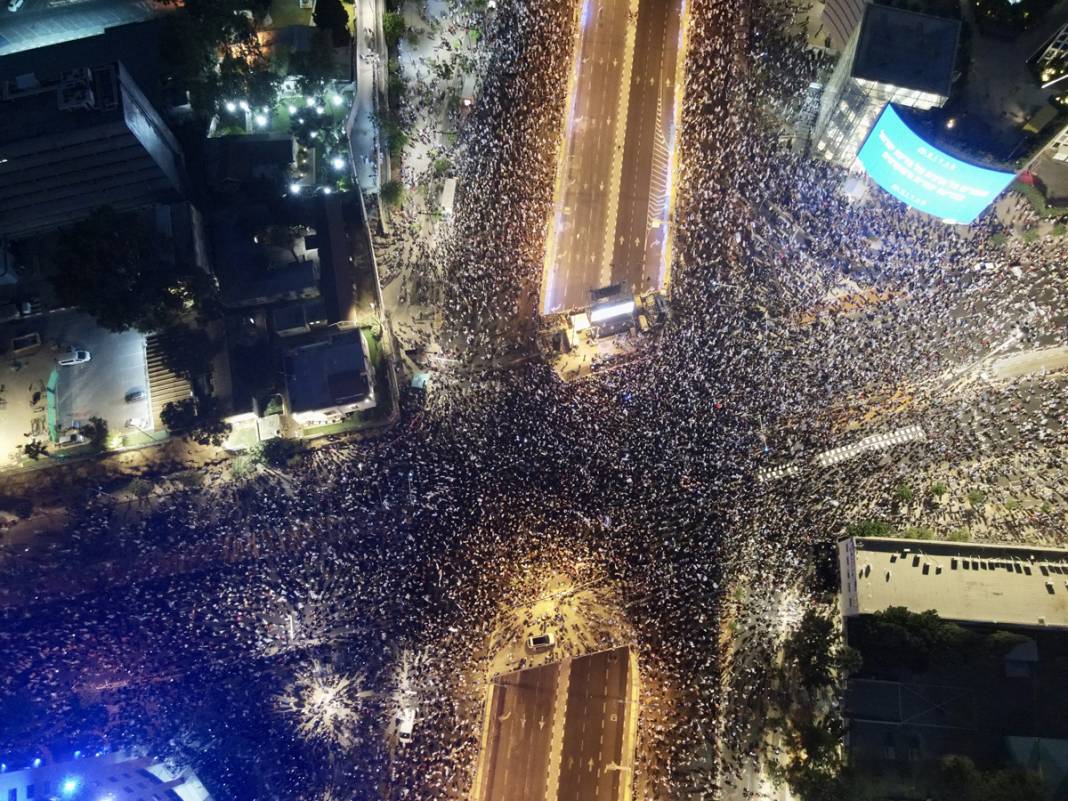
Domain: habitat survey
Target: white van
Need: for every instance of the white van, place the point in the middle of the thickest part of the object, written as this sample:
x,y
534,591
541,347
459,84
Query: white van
x,y
405,723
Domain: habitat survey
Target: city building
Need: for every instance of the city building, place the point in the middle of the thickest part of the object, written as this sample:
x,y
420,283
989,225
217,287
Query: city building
x,y
893,56
1053,60
983,680
840,19
328,377
79,139
1011,585
115,776
235,162
140,46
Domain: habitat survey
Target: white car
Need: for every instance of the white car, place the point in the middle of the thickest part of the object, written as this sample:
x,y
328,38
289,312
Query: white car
x,y
14,5
541,642
73,357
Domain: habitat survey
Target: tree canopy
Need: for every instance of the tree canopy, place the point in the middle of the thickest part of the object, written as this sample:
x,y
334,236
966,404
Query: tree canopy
x,y
187,351
113,267
331,16
811,650
196,421
212,45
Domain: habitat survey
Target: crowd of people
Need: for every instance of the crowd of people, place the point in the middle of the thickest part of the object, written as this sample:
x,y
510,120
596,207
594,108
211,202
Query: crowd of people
x,y
223,609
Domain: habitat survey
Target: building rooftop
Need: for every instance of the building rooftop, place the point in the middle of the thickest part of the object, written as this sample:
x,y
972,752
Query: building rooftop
x,y
80,139
137,46
965,582
236,159
327,372
907,49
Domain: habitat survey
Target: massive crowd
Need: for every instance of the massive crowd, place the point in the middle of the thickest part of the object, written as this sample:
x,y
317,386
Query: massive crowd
x,y
246,593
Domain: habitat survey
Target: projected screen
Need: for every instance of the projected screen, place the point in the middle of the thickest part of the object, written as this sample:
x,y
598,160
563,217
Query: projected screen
x,y
923,176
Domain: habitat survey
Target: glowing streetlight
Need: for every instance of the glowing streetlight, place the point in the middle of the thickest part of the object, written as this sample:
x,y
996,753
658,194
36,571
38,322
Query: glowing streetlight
x,y
327,190
337,163
243,104
309,101
336,100
319,109
261,120
231,106
294,189
291,109
69,786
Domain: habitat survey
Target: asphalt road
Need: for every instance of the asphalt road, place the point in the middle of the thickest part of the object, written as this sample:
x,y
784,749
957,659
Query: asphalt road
x,y
521,746
641,223
520,735
594,728
45,22
587,225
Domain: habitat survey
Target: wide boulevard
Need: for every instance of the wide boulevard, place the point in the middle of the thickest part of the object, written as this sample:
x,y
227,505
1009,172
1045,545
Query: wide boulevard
x,y
612,199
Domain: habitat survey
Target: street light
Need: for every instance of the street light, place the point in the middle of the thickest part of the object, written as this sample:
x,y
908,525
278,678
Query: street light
x,y
294,189
338,163
231,106
261,120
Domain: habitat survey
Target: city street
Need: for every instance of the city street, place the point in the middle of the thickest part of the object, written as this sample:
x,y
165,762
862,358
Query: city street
x,y
613,186
560,731
44,22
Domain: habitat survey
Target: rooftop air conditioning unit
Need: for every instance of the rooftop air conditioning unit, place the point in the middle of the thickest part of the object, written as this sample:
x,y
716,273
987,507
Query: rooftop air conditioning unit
x,y
76,90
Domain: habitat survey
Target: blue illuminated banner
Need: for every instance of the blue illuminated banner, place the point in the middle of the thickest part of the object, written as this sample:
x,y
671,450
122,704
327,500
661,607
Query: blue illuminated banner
x,y
924,177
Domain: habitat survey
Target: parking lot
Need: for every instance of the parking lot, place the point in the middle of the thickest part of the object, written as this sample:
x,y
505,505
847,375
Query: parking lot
x,y
97,388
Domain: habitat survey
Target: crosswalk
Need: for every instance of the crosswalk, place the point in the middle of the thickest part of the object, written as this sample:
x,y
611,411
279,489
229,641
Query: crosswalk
x,y
842,453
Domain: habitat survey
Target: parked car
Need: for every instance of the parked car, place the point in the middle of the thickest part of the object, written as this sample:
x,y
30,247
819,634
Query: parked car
x,y
73,357
135,395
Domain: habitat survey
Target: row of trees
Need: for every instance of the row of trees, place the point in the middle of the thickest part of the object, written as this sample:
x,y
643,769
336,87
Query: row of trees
x,y
922,641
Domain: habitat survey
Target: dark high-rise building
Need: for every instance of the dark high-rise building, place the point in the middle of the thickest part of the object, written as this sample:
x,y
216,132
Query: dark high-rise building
x,y
74,141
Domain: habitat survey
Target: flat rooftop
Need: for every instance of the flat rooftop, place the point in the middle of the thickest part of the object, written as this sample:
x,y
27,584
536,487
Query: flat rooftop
x,y
907,49
1011,585
564,730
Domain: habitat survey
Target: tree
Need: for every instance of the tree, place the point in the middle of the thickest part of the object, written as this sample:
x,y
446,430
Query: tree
x,y
938,489
869,528
97,431
959,779
392,193
187,351
198,34
903,493
196,422
112,267
810,650
331,16
276,452
393,28
315,65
